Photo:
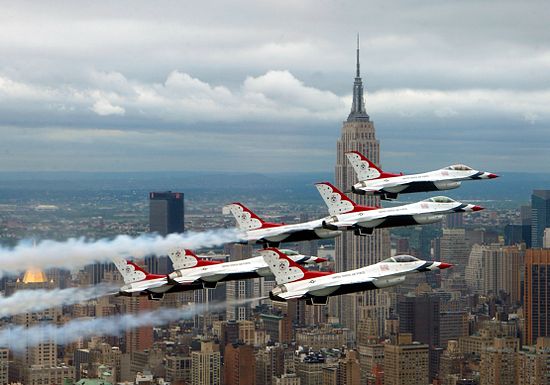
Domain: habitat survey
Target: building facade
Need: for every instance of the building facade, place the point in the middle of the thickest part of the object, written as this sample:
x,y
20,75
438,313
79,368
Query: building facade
x,y
540,216
537,294
351,251
166,216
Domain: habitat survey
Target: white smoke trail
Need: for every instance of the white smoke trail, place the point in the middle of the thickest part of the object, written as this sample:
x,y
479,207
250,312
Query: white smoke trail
x,y
76,253
24,301
18,338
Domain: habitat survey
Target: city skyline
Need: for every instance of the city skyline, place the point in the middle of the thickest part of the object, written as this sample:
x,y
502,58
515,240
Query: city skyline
x,y
154,95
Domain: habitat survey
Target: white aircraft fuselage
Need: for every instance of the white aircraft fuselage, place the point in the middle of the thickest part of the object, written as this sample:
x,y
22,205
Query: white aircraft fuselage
x,y
319,286
210,275
431,210
374,181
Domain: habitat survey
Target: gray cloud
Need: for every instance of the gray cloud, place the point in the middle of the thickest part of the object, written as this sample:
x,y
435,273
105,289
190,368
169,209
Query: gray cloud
x,y
118,80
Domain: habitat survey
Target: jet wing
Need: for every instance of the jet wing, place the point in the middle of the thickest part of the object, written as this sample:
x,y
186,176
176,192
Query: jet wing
x,y
186,280
294,294
400,211
289,229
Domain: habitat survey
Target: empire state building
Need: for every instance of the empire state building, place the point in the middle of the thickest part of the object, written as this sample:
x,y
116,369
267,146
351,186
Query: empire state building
x,y
353,252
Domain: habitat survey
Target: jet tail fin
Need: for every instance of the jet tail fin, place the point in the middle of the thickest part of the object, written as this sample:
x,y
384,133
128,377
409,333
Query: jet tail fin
x,y
338,202
131,272
363,167
285,269
246,219
185,259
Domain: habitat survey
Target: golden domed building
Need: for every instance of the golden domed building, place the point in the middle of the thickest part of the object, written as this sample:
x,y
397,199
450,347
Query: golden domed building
x,y
33,278
34,275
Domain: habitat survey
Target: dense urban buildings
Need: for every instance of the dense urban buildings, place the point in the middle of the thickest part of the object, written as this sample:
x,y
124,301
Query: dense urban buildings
x,y
483,322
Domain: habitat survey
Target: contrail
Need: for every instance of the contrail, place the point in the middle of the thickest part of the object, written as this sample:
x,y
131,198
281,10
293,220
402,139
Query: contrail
x,y
24,301
76,253
19,338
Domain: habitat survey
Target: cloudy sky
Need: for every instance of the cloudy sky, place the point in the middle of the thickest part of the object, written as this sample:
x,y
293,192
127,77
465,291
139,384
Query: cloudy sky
x,y
265,85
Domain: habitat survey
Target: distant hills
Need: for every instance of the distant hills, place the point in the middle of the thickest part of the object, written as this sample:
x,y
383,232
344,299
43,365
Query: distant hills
x,y
513,187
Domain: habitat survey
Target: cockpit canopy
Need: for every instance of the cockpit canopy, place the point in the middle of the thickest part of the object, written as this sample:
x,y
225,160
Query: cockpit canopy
x,y
439,199
401,258
459,167
289,252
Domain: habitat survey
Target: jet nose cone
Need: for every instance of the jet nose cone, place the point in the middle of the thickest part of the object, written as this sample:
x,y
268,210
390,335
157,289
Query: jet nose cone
x,y
443,265
492,176
320,260
477,208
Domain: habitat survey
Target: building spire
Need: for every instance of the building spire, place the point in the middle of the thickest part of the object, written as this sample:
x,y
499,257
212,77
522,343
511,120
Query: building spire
x,y
358,75
358,111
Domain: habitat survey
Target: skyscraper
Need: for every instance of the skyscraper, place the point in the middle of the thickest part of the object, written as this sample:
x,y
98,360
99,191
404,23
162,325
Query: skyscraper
x,y
420,316
205,364
239,365
354,251
166,212
166,216
537,292
540,216
405,362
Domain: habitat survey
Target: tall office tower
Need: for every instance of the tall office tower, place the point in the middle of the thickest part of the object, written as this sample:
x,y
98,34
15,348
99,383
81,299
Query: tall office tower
x,y
405,362
166,212
270,363
205,364
453,248
540,216
239,290
515,234
310,368
452,326
140,338
4,366
536,294
239,365
534,363
454,221
353,251
452,361
495,268
420,316
546,238
349,370
166,216
498,362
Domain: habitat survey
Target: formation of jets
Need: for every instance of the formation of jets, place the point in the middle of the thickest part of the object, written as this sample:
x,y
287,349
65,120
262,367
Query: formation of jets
x,y
293,280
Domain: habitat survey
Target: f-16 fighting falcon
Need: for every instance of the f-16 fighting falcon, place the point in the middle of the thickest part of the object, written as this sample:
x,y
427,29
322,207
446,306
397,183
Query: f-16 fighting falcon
x,y
295,282
256,230
347,215
190,269
374,181
138,282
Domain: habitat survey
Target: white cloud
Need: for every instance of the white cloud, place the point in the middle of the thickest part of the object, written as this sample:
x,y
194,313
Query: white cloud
x,y
104,108
276,96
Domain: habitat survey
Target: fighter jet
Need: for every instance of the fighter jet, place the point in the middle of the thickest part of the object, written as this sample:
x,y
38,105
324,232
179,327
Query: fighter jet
x,y
139,282
256,230
374,181
295,282
345,214
190,269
